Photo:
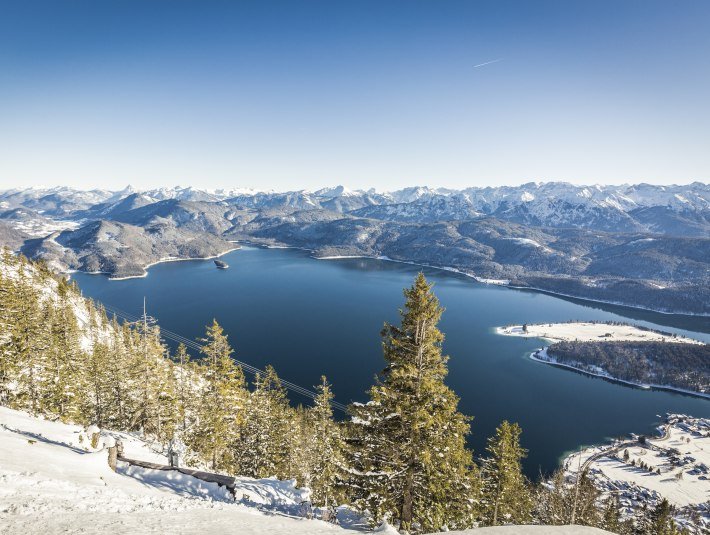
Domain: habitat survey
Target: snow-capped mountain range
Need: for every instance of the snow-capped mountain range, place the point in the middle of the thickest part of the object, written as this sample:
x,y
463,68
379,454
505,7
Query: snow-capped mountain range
x,y
682,210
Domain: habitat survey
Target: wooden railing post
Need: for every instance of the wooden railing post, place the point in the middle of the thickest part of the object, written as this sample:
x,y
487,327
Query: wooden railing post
x,y
110,442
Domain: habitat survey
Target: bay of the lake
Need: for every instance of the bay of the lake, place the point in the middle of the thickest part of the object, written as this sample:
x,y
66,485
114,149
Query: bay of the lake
x,y
311,317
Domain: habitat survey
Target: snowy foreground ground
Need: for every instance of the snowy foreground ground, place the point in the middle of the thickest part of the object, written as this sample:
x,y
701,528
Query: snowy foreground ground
x,y
53,481
682,456
589,332
50,483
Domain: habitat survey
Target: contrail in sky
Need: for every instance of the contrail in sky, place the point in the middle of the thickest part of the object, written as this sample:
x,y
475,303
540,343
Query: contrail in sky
x,y
487,63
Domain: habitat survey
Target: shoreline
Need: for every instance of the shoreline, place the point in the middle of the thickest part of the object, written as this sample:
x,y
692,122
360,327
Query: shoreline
x,y
480,280
492,282
148,266
615,303
666,388
683,484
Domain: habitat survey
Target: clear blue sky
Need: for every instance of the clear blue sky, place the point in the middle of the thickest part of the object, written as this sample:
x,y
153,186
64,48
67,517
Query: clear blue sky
x,y
385,94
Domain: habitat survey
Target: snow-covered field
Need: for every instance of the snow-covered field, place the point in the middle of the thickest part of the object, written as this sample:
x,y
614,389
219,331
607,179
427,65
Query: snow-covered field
x,y
589,332
681,454
52,481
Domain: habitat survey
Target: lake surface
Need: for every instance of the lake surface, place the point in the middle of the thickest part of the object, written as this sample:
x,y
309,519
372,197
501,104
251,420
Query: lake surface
x,y
310,317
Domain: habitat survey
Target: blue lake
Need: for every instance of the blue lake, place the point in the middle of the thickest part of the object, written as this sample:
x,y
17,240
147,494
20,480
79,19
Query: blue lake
x,y
310,317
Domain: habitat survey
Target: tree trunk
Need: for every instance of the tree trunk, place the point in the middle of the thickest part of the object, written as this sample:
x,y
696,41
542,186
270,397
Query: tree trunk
x,y
495,508
407,499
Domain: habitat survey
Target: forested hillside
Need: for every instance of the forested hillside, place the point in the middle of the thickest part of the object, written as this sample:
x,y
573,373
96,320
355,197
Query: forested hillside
x,y
63,357
685,366
401,456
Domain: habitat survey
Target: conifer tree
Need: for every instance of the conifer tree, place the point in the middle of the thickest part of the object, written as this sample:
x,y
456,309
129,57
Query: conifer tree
x,y
28,340
147,361
301,450
611,515
584,501
220,412
550,499
506,493
407,445
325,448
9,361
97,411
559,501
263,448
64,377
165,416
121,377
660,520
184,392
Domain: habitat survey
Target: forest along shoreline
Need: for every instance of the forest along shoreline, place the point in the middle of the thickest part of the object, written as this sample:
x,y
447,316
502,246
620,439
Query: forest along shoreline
x,y
506,283
623,353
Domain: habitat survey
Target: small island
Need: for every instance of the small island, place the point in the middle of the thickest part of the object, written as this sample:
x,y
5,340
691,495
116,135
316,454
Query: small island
x,y
221,264
591,331
625,353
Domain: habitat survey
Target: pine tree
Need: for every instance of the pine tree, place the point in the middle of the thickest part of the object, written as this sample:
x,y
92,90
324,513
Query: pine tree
x,y
325,448
165,417
64,377
408,445
302,449
97,407
28,340
221,410
584,502
368,460
560,501
660,520
506,493
552,500
184,393
121,377
148,353
611,515
9,362
266,433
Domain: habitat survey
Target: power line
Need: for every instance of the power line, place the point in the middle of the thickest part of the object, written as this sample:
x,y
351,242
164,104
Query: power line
x,y
175,337
247,367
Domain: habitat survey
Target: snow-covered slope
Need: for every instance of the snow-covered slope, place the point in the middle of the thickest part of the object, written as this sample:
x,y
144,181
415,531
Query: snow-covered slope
x,y
52,481
48,289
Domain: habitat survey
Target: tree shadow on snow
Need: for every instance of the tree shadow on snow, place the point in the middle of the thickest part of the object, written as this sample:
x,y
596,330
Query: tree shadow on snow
x,y
40,438
175,482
